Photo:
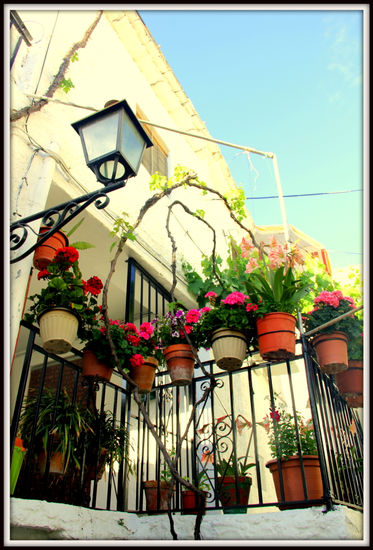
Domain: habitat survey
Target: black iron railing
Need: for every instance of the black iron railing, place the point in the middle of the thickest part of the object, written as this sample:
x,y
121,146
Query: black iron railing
x,y
229,424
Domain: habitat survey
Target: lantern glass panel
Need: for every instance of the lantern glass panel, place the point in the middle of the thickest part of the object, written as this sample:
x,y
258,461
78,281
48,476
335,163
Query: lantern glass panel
x,y
100,136
132,143
112,170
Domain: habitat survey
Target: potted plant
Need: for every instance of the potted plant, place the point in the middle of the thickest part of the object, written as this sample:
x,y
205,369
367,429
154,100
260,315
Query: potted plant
x,y
233,482
59,424
136,350
157,491
229,325
331,342
66,305
275,285
191,501
350,381
290,455
105,443
170,335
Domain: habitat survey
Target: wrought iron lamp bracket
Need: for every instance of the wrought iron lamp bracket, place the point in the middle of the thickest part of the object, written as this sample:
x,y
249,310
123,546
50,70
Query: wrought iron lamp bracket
x,y
56,218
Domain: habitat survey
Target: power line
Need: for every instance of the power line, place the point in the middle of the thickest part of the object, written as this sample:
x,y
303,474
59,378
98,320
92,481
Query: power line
x,y
306,194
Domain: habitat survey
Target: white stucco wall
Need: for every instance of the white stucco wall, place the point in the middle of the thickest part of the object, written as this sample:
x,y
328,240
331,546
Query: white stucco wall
x,y
41,520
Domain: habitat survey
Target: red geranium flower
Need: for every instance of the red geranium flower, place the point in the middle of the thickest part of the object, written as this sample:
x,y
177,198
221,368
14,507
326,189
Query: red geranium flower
x,y
93,285
43,274
66,254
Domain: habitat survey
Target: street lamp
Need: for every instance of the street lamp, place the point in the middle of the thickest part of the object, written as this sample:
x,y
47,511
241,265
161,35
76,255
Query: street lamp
x,y
113,142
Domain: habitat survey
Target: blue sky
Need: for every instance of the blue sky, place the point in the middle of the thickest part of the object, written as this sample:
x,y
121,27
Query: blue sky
x,y
282,81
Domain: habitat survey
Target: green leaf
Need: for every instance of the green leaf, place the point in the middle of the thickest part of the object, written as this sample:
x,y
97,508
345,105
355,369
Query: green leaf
x,y
82,245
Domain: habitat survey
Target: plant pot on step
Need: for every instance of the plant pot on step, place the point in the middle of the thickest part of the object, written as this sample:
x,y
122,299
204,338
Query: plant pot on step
x,y
56,459
191,502
276,336
227,493
145,374
331,351
58,329
180,363
16,464
293,481
44,253
93,367
229,348
350,383
91,467
156,495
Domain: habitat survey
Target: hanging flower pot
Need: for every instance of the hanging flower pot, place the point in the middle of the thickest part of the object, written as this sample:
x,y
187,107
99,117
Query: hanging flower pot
x,y
44,253
58,329
293,481
17,460
144,374
191,502
276,336
229,348
331,351
56,459
350,383
180,363
228,496
95,368
156,495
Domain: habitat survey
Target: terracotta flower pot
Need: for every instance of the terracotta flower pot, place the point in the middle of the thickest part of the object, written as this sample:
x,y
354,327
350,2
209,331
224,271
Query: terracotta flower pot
x,y
229,348
56,464
350,383
153,492
44,254
180,363
276,336
191,502
93,367
293,481
226,487
58,330
145,374
331,351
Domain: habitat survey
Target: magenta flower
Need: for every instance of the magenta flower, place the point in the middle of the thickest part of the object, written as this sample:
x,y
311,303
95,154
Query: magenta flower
x,y
192,316
235,298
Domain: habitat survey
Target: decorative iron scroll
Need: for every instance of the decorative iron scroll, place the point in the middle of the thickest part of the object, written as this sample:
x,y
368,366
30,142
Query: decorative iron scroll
x,y
56,218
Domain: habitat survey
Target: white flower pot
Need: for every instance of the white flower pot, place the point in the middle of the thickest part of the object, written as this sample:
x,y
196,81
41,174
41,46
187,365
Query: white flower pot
x,y
58,330
229,348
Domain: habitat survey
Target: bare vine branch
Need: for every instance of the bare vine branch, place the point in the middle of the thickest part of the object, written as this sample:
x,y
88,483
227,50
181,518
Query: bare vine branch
x,y
37,105
187,180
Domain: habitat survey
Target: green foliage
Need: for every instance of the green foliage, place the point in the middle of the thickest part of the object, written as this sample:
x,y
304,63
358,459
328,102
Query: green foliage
x,y
62,418
66,84
122,228
172,327
283,442
80,245
107,434
202,481
236,202
280,290
229,467
74,57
